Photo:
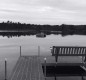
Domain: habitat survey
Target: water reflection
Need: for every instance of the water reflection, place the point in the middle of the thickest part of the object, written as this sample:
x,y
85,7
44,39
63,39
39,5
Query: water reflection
x,y
11,34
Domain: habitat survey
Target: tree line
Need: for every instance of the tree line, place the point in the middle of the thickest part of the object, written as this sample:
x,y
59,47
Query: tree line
x,y
17,26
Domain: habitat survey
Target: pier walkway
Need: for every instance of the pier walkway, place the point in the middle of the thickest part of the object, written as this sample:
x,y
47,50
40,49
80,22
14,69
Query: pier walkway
x,y
27,68
30,67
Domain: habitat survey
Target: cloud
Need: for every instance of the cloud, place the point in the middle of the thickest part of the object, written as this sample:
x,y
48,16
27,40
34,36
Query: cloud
x,y
63,4
44,11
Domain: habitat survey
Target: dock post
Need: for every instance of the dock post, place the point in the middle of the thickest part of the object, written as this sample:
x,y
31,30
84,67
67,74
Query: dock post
x,y
45,68
5,69
38,50
20,51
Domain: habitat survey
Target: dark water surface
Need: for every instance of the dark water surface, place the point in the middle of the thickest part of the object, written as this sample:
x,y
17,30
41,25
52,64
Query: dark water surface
x,y
9,48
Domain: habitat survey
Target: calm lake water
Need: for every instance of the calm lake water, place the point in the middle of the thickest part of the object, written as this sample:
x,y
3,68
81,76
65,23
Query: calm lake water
x,y
9,48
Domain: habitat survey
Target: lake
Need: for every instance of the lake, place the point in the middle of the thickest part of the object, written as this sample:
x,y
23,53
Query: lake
x,y
9,48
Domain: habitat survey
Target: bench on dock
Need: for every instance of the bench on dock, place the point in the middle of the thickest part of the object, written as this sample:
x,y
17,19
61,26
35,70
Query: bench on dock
x,y
68,51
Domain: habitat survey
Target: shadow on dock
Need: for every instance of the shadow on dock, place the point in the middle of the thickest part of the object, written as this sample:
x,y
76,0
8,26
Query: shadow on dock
x,y
52,71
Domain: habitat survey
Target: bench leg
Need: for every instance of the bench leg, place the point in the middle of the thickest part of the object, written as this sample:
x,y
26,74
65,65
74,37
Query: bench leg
x,y
56,58
85,59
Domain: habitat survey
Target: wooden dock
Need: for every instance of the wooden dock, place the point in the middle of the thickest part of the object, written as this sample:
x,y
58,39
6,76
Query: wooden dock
x,y
27,68
30,67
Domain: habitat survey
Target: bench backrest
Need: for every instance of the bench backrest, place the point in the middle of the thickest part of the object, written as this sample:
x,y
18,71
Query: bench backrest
x,y
68,51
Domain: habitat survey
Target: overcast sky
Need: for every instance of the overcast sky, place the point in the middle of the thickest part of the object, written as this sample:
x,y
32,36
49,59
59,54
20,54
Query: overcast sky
x,y
44,11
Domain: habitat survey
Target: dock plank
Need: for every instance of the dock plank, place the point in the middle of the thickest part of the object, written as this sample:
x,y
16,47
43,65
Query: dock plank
x,y
16,69
28,68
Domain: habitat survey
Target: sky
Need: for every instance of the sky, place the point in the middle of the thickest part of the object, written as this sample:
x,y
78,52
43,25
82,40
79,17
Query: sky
x,y
44,11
